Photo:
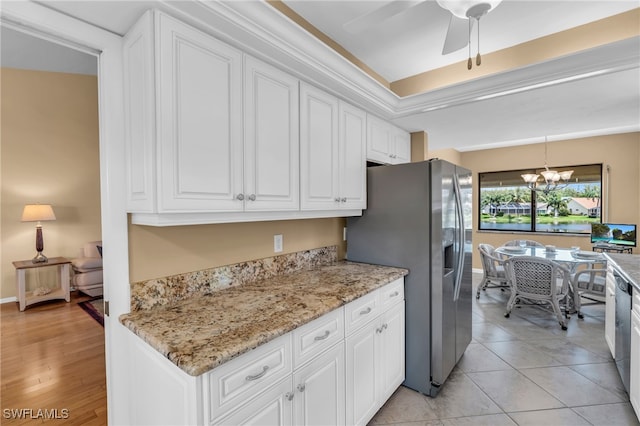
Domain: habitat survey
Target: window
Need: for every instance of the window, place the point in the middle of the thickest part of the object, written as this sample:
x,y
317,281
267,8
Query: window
x,y
506,204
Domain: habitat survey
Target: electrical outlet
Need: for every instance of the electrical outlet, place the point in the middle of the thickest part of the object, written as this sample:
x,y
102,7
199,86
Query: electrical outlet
x,y
277,243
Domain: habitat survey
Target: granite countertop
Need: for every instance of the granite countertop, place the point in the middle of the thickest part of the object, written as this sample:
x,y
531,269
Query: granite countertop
x,y
630,265
200,333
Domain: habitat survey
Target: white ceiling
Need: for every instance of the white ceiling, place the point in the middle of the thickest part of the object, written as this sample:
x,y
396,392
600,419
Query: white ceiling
x,y
411,42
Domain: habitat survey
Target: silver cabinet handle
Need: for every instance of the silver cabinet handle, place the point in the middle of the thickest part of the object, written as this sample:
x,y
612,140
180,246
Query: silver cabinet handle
x,y
365,311
252,197
240,197
344,200
324,336
394,294
301,387
381,329
337,200
289,396
257,376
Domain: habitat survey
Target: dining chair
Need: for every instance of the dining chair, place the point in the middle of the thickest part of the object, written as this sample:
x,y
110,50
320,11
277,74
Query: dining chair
x,y
537,280
494,275
588,283
527,243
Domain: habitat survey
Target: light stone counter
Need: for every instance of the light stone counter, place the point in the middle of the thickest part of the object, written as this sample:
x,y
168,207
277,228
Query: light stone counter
x,y
201,332
630,266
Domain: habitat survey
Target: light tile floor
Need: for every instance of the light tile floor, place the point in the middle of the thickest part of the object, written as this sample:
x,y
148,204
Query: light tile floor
x,y
523,370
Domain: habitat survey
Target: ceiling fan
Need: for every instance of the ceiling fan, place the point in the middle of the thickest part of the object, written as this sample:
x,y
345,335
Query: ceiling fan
x,y
464,13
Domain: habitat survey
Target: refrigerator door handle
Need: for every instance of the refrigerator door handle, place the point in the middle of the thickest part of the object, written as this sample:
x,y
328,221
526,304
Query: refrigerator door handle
x,y
460,237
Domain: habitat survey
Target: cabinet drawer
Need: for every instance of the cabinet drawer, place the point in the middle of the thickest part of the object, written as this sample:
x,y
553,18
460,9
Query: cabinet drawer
x,y
316,336
243,378
361,311
391,294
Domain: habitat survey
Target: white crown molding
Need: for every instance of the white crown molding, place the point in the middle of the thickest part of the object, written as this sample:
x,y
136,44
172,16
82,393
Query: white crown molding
x,y
262,31
606,59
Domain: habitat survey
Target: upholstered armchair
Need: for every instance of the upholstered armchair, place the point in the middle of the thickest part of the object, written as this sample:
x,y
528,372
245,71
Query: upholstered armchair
x,y
87,269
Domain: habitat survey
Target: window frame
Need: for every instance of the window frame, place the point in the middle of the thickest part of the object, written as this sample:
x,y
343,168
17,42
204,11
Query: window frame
x,y
533,203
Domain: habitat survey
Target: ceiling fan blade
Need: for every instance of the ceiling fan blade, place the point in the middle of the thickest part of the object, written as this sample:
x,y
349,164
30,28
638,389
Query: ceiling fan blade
x,y
457,35
377,16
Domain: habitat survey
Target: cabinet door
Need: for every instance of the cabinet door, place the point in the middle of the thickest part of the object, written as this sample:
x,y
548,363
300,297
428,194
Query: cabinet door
x,y
271,143
634,383
378,140
401,146
391,345
361,357
270,408
319,173
139,116
610,313
200,120
319,390
353,164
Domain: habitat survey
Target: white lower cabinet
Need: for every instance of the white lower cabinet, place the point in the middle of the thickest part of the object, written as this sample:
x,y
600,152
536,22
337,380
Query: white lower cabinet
x,y
271,407
319,390
634,384
610,312
375,364
312,375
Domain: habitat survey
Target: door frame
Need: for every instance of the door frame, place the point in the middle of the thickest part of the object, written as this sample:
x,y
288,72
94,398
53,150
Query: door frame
x,y
56,27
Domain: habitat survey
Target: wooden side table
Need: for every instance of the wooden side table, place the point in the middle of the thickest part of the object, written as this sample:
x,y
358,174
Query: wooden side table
x,y
26,298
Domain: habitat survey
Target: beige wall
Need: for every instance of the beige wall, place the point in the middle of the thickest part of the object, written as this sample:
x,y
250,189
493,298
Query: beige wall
x,y
158,252
50,154
449,154
621,194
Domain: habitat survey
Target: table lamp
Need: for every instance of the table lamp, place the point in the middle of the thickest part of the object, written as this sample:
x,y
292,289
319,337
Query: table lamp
x,y
38,213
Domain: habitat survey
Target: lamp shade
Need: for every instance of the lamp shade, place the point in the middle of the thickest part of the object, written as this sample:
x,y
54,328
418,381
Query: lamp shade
x,y
37,213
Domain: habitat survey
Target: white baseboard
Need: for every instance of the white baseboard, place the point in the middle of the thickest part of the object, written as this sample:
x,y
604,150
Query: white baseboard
x,y
9,299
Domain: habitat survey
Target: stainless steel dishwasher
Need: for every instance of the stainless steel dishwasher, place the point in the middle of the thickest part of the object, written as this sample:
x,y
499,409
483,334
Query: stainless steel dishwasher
x,y
623,326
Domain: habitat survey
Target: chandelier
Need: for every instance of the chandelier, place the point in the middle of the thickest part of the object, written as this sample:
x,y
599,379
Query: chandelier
x,y
553,179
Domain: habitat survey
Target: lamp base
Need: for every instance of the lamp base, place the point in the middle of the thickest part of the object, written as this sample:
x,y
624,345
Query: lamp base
x,y
40,258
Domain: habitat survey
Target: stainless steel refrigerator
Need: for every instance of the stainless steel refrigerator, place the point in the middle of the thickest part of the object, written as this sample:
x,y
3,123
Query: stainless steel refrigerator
x,y
418,217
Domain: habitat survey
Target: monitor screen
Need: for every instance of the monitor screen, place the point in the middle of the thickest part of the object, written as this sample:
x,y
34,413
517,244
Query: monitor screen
x,y
613,233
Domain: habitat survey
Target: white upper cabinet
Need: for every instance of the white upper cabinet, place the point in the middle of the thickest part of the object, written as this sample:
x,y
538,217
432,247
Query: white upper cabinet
x,y
188,115
401,146
271,165
352,156
214,135
332,152
386,143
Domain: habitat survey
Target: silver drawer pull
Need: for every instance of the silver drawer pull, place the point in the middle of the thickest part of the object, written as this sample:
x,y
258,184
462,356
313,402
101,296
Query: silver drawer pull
x,y
289,396
365,311
257,376
301,387
324,336
394,294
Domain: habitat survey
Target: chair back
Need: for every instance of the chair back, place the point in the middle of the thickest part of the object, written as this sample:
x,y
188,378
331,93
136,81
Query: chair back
x,y
487,255
536,278
527,243
591,280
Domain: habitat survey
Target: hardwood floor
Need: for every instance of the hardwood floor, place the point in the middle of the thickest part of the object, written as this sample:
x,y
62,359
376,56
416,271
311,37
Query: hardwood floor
x,y
53,361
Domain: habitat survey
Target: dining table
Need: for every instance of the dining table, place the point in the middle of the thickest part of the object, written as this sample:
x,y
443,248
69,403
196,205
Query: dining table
x,y
570,258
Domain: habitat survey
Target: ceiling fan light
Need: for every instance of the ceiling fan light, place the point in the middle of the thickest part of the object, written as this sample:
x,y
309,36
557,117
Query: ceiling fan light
x,y
460,7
